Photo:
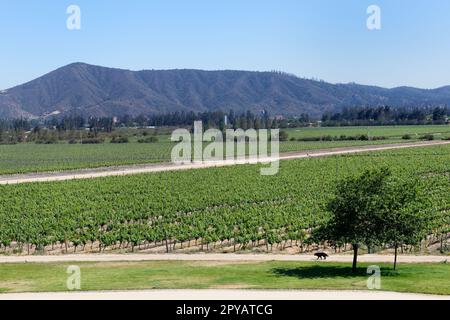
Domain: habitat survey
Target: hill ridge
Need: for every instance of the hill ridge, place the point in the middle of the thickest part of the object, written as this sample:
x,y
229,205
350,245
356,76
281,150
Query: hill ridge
x,y
92,90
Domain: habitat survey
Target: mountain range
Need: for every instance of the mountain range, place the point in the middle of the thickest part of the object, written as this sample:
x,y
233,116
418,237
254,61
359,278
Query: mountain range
x,y
90,90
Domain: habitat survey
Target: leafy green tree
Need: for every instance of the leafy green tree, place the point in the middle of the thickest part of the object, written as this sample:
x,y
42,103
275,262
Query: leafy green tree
x,y
283,136
405,218
353,211
375,208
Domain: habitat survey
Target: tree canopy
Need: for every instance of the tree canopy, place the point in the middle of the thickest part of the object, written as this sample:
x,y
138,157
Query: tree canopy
x,y
375,208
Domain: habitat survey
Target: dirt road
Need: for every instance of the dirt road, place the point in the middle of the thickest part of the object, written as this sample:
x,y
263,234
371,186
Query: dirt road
x,y
216,257
222,294
136,169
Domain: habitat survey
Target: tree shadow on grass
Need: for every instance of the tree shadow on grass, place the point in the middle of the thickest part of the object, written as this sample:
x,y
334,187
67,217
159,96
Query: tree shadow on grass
x,y
326,271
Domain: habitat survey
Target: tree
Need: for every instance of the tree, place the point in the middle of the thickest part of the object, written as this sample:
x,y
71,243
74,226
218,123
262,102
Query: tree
x,y
375,208
283,136
354,210
405,218
439,115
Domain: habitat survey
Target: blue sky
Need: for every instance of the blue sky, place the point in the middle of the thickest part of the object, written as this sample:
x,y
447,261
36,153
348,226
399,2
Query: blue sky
x,y
325,39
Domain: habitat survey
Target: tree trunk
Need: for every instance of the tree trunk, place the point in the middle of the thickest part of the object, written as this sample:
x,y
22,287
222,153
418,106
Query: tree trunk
x,y
395,256
355,257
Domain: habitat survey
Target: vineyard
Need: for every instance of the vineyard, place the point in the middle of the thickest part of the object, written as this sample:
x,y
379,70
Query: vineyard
x,y
209,209
31,157
24,158
392,132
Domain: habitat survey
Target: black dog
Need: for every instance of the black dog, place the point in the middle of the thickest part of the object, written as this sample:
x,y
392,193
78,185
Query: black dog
x,y
321,255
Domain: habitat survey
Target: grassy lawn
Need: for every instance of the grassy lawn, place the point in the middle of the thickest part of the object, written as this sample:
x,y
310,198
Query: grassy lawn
x,y
418,278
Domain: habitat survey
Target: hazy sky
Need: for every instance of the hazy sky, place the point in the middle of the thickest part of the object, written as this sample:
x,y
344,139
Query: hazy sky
x,y
326,39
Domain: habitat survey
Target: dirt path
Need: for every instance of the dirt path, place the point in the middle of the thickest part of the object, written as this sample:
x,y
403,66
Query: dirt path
x,y
216,257
229,294
147,168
